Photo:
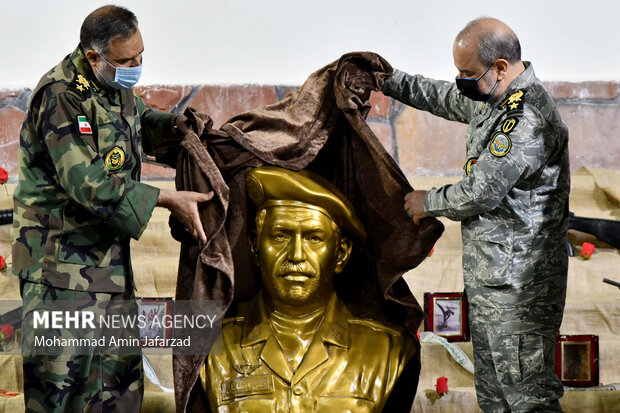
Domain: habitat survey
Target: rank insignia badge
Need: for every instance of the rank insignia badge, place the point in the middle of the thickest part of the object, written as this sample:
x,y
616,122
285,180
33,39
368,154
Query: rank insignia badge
x,y
470,163
513,101
115,159
82,83
84,126
500,144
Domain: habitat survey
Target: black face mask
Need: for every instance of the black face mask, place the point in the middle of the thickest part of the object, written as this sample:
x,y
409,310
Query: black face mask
x,y
468,86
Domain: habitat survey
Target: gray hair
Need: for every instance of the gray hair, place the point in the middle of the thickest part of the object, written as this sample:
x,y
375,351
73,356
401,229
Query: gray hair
x,y
493,44
105,23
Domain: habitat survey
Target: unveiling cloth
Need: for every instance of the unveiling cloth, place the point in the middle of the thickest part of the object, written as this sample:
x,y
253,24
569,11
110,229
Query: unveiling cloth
x,y
320,127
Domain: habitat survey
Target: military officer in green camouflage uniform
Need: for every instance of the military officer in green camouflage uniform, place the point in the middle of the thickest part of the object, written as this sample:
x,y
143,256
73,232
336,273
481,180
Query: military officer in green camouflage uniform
x,y
513,204
79,201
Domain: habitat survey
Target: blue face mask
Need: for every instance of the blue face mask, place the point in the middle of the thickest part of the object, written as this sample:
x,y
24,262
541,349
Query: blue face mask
x,y
124,77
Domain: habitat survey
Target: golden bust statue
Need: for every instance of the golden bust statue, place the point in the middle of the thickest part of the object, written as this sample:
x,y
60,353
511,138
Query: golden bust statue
x,y
296,346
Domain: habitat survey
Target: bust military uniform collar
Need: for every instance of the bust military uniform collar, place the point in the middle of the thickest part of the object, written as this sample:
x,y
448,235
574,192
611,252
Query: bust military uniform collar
x,y
333,330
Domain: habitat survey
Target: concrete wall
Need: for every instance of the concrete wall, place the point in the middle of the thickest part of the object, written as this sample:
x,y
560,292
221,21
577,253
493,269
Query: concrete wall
x,y
423,145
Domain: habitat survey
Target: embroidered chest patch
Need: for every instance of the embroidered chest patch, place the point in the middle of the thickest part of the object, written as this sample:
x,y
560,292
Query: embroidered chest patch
x,y
84,126
500,144
115,159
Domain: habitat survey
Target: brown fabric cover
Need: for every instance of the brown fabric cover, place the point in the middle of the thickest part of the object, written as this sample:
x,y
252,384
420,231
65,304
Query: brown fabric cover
x,y
320,127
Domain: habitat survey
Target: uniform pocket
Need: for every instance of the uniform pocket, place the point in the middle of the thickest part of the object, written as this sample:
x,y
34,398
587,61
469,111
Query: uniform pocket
x,y
343,405
248,406
487,253
531,355
84,240
519,358
114,144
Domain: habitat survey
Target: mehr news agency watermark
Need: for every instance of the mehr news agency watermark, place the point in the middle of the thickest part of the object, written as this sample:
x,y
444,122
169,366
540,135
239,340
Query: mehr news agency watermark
x,y
122,327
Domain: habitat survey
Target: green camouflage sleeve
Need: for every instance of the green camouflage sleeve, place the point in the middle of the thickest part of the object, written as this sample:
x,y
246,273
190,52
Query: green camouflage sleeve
x,y
439,97
507,158
159,137
124,204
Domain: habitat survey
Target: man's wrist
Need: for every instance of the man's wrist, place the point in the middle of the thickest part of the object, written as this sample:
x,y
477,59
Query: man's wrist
x,y
164,198
428,202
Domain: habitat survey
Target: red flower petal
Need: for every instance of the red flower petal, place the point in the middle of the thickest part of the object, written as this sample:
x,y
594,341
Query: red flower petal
x,y
4,176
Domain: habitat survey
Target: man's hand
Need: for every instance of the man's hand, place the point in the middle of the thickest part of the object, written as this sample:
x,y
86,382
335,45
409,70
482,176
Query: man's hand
x,y
184,207
414,206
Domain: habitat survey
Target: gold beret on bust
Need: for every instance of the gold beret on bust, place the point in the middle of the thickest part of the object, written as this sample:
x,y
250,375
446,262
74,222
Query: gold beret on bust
x,y
270,186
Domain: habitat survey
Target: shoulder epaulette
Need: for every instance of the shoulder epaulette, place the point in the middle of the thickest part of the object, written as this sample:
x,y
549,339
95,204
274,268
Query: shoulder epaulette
x,y
514,101
82,85
230,320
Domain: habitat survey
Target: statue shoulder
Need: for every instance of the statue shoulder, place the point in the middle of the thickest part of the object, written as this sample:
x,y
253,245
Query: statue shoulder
x,y
232,329
376,326
361,317
233,320
376,342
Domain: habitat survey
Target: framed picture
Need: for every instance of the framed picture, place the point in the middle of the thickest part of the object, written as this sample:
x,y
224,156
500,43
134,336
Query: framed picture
x,y
576,360
445,314
155,327
11,331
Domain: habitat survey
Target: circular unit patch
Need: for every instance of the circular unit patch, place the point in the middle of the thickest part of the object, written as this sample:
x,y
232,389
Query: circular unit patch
x,y
115,159
471,162
500,144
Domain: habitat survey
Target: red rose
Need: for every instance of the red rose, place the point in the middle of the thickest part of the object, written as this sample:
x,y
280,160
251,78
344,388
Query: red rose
x,y
4,176
587,250
2,263
442,385
6,331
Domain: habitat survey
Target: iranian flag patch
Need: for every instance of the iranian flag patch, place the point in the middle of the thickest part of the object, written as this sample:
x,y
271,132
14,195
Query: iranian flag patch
x,y
83,125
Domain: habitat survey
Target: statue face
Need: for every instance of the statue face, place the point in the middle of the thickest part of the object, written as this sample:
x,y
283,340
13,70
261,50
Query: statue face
x,y
298,250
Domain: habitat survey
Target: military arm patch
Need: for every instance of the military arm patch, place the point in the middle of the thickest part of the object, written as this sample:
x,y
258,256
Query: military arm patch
x,y
509,124
500,144
470,163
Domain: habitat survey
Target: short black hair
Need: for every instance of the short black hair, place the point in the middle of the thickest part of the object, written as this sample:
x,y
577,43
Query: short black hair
x,y
105,23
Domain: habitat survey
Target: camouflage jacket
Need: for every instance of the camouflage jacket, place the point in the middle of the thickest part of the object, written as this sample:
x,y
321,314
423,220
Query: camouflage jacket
x,y
513,196
79,200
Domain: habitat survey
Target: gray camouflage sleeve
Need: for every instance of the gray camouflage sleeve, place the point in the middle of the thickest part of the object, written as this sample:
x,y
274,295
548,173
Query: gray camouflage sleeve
x,y
439,97
494,175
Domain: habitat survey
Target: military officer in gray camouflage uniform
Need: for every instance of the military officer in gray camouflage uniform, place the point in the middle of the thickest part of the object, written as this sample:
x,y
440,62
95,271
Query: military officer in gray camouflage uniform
x,y
513,204
79,201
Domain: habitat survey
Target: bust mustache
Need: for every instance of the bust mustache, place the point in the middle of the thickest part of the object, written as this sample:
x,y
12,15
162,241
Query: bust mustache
x,y
290,269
